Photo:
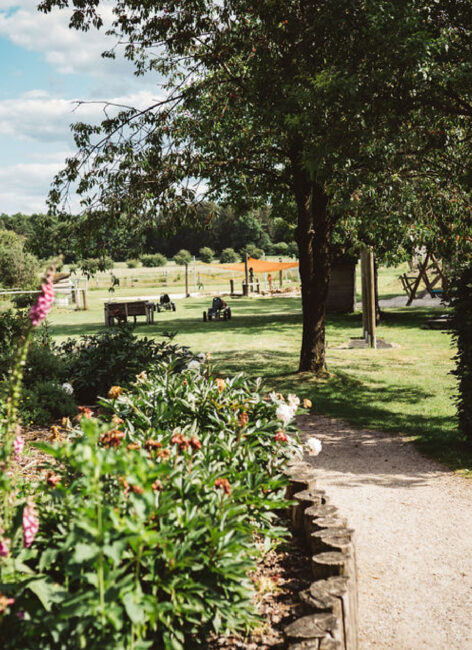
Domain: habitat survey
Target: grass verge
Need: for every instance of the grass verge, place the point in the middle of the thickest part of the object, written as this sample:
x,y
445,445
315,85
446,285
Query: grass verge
x,y
406,389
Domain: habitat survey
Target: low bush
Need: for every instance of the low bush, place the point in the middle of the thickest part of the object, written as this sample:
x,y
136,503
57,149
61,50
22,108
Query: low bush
x,y
132,264
44,402
147,518
206,254
281,248
112,356
229,256
44,371
152,260
252,251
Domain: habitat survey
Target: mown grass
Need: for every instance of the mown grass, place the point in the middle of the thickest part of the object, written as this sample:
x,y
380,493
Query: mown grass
x,y
406,389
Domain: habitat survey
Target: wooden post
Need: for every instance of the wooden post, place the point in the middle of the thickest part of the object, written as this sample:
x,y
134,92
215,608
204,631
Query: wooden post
x,y
84,296
371,296
231,284
368,297
280,275
187,295
364,294
246,276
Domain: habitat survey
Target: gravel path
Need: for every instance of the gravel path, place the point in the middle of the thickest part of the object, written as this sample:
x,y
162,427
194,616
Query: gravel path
x,y
413,523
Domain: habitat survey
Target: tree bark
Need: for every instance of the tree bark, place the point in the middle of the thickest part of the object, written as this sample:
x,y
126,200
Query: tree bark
x,y
313,236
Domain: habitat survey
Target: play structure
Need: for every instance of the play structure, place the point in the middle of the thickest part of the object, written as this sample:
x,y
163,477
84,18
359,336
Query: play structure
x,y
427,268
218,310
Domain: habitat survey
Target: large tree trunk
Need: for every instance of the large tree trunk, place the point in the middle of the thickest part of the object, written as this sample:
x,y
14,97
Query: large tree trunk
x,y
313,235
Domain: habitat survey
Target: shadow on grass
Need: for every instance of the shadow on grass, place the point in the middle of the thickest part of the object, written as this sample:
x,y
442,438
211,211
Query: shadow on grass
x,y
365,404
250,325
385,408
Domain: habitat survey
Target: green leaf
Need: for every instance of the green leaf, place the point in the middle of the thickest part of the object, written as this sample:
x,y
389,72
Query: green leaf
x,y
134,610
83,552
46,591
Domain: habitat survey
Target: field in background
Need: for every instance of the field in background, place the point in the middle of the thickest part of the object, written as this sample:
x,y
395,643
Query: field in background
x,y
171,278
407,389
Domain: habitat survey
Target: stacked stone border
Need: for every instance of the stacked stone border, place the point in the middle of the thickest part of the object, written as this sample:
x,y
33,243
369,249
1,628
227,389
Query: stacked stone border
x,y
331,621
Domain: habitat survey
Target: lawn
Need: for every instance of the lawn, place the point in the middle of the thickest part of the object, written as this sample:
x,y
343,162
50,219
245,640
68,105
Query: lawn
x,y
406,389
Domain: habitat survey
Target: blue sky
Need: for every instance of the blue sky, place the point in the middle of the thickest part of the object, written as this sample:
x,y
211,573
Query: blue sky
x,y
44,69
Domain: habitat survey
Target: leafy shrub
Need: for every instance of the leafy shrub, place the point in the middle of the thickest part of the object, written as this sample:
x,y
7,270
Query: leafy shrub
x,y
44,402
132,264
44,371
93,265
182,258
146,532
206,254
43,363
12,325
18,268
281,248
462,333
112,356
252,251
229,256
153,260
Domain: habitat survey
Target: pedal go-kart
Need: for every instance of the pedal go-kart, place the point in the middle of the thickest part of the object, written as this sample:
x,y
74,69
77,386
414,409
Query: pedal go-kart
x,y
219,309
165,303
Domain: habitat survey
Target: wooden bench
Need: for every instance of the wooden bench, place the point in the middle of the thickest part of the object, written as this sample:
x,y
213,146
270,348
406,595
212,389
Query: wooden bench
x,y
121,311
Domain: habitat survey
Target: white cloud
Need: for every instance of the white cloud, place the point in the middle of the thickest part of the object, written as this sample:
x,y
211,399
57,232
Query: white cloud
x,y
24,187
36,115
67,50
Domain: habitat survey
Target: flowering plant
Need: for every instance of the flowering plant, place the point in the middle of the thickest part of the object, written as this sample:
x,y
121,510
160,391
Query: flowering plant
x,y
142,534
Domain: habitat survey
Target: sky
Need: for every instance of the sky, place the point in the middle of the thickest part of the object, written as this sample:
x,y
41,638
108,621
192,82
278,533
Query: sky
x,y
45,68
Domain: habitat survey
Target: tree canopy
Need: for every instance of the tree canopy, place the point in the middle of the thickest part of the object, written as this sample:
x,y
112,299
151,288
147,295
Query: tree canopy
x,y
302,105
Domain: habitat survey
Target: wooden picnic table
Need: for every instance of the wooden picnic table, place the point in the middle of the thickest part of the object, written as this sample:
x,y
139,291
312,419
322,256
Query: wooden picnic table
x,y
121,311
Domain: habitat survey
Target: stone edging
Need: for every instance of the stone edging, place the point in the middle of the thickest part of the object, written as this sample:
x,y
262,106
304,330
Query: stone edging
x,y
331,599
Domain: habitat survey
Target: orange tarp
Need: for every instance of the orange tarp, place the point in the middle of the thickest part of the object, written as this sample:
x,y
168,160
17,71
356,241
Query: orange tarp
x,y
261,266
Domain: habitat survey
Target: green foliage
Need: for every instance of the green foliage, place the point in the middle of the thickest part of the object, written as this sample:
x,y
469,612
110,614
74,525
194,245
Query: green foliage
x,y
252,251
300,105
18,268
229,256
92,265
146,533
12,325
112,356
45,401
462,327
282,248
43,363
206,254
182,258
153,260
132,264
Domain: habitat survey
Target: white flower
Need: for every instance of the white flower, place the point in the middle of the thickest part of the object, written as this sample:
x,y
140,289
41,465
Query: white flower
x,y
67,388
293,401
284,413
313,446
201,357
194,365
275,397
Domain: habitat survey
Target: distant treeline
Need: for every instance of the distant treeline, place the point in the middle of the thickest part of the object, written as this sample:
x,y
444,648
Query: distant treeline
x,y
48,235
